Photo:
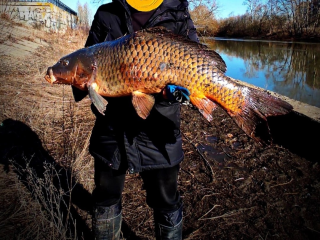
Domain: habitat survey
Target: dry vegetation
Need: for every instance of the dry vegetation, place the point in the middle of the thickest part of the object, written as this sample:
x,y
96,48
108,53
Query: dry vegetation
x,y
232,187
264,19
44,138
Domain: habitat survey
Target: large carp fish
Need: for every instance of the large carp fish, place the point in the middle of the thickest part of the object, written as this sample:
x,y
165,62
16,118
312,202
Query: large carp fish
x,y
143,63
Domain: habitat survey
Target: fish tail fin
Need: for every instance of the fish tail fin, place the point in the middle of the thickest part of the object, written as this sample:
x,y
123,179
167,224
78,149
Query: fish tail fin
x,y
257,107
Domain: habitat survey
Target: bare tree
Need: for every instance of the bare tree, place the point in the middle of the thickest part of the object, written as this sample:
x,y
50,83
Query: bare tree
x,y
253,6
84,15
293,18
212,6
203,14
299,15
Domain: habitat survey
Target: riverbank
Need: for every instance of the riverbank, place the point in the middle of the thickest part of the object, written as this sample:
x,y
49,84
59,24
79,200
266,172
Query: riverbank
x,y
315,39
231,186
309,111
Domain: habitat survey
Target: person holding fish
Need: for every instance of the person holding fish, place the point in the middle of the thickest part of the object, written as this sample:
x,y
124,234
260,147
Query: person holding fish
x,y
122,142
136,81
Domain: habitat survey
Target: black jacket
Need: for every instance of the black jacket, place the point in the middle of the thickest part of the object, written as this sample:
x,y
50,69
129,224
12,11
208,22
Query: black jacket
x,y
121,138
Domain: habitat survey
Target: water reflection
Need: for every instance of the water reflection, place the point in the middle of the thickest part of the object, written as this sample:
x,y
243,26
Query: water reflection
x,y
288,68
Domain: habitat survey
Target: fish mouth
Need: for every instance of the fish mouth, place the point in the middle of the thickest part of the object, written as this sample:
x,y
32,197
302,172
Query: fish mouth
x,y
50,77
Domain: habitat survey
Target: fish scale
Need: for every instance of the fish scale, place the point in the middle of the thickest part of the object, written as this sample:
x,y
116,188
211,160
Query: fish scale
x,y
143,63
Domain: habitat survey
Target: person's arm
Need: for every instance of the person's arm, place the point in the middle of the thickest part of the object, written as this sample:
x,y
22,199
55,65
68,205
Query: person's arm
x,y
187,29
192,33
98,31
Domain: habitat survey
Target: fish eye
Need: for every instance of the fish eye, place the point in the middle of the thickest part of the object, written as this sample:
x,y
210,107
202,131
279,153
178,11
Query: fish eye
x,y
65,62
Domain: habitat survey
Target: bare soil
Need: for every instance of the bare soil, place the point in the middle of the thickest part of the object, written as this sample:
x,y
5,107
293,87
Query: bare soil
x,y
232,187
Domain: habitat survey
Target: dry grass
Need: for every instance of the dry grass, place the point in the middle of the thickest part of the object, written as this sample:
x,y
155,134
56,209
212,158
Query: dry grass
x,y
21,216
33,207
44,137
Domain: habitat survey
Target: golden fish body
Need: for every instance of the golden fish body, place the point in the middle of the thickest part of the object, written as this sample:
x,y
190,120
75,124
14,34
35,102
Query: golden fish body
x,y
148,61
145,62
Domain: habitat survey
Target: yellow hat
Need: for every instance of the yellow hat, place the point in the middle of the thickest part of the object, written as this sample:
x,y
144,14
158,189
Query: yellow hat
x,y
144,5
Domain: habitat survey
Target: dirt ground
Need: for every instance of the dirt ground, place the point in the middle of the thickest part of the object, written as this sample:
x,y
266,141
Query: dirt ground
x,y
232,187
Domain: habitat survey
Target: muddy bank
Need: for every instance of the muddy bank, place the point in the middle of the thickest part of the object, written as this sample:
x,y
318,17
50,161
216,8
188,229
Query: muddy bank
x,y
232,187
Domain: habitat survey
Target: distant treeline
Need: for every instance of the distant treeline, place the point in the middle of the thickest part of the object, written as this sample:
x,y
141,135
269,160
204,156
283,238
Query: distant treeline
x,y
274,19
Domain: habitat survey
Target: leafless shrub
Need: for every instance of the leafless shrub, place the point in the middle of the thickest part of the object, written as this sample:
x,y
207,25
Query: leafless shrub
x,y
21,216
50,196
5,16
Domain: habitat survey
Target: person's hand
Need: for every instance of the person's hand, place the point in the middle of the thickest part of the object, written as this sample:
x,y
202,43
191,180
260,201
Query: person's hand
x,y
176,93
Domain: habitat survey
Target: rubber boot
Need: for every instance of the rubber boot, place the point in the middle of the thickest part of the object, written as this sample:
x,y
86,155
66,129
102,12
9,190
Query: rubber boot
x,y
168,225
106,222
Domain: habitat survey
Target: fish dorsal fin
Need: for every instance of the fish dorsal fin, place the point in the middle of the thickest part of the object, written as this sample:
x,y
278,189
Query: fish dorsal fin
x,y
143,103
98,101
205,106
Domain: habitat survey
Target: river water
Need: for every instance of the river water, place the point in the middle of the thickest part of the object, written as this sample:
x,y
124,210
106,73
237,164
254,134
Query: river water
x,y
291,69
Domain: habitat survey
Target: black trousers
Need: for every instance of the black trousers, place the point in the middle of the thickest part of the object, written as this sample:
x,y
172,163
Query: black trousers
x,y
160,184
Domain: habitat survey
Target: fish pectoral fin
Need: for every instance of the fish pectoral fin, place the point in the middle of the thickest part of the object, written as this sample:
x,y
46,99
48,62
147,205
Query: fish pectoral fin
x,y
205,106
143,103
98,101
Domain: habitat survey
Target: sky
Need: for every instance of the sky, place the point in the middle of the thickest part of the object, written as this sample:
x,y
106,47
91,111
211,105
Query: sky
x,y
92,6
234,7
227,7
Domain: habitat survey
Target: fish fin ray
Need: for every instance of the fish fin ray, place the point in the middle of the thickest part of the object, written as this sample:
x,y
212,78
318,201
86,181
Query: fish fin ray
x,y
206,106
98,101
252,118
143,103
